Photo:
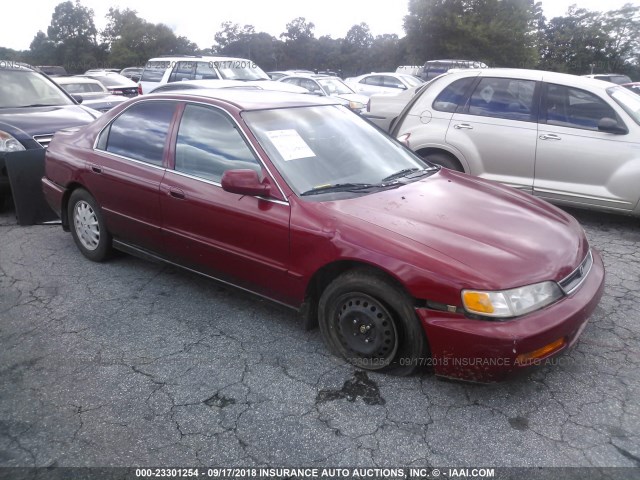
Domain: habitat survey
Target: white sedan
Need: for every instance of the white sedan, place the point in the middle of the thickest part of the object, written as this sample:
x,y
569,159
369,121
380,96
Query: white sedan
x,y
383,82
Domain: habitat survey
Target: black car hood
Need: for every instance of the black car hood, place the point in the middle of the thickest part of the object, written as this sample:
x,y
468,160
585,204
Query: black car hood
x,y
24,123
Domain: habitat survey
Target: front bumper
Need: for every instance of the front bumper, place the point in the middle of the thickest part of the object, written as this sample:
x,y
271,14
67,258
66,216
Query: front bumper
x,y
487,351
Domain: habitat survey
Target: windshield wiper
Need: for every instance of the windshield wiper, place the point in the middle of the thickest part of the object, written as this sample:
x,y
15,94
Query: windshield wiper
x,y
408,172
38,105
339,187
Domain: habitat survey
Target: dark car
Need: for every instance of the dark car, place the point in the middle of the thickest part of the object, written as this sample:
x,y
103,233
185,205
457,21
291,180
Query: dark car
x,y
115,83
53,70
434,68
300,200
32,109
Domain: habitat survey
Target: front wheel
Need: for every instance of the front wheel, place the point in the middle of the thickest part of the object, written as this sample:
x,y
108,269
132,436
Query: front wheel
x,y
87,226
444,160
369,321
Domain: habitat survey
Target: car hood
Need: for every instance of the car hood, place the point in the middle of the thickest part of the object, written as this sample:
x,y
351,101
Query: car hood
x,y
26,122
502,236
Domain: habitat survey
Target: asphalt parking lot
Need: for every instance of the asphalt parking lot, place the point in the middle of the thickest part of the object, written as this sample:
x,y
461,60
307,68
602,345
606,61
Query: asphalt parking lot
x,y
131,363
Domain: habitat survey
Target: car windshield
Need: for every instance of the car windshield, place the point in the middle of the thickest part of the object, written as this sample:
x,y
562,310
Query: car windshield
x,y
334,86
240,70
411,80
114,80
28,89
329,146
628,100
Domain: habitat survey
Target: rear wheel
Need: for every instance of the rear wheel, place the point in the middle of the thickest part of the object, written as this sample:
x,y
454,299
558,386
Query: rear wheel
x,y
371,322
87,226
444,160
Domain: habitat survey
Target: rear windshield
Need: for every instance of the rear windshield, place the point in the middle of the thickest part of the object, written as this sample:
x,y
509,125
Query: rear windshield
x,y
154,71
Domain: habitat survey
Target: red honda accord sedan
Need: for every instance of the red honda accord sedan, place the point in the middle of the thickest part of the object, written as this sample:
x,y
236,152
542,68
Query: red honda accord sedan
x,y
402,263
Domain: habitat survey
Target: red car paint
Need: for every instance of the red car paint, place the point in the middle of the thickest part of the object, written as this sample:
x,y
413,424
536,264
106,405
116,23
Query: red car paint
x,y
436,236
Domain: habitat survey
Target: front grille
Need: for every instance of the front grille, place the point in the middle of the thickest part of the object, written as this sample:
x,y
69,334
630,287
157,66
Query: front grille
x,y
43,140
572,281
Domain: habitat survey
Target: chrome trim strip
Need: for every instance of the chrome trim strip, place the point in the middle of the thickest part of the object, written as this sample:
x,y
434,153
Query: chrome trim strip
x,y
217,184
127,248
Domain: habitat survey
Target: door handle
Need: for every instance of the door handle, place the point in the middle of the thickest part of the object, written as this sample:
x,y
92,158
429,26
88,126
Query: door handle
x,y
550,136
176,193
96,169
461,126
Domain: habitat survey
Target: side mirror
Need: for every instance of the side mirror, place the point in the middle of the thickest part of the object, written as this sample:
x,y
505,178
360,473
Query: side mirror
x,y
77,98
244,182
609,125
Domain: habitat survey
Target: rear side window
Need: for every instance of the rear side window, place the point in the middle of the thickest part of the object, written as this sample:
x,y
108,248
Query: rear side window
x,y
154,71
576,108
141,131
508,98
208,144
376,80
453,96
183,71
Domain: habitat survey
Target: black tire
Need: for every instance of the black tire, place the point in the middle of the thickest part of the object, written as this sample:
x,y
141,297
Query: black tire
x,y
87,226
445,160
370,322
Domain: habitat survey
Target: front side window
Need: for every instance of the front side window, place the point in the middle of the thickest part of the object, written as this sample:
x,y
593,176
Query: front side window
x,y
630,102
208,144
508,98
205,71
375,80
140,132
453,95
576,108
182,71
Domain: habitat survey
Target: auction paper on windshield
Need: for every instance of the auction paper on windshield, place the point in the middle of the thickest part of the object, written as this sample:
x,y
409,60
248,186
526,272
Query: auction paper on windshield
x,y
290,145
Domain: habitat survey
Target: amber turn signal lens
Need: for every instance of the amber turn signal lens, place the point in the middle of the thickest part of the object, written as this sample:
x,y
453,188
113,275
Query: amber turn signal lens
x,y
478,302
531,357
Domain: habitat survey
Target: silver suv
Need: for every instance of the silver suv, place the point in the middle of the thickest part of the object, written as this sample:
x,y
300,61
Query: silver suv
x,y
568,139
161,70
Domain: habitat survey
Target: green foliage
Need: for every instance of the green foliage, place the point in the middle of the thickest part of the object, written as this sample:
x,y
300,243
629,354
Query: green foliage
x,y
506,33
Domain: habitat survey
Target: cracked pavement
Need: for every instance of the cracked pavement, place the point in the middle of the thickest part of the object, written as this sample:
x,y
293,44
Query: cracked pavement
x,y
132,363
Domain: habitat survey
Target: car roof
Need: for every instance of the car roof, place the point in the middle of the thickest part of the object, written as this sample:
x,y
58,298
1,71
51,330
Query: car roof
x,y
76,79
194,58
251,99
536,75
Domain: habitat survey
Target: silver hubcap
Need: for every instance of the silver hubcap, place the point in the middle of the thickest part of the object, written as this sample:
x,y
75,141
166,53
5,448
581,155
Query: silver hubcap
x,y
86,224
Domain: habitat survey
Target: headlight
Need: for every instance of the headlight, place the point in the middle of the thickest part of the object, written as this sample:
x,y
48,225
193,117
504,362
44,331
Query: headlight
x,y
511,303
356,105
9,144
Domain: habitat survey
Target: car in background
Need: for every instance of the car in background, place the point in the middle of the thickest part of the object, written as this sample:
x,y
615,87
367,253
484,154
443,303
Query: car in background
x,y
383,82
616,78
92,93
433,68
250,85
414,70
161,70
276,75
53,70
132,73
400,262
332,87
32,109
633,86
568,139
383,110
114,82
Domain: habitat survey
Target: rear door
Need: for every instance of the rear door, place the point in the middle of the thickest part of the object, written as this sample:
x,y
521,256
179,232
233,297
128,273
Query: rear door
x,y
125,174
497,130
576,163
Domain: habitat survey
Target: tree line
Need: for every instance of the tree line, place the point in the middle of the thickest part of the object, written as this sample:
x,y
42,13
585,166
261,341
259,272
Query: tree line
x,y
500,33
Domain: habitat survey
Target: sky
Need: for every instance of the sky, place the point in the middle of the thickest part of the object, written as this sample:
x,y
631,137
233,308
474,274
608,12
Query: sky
x,y
199,20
